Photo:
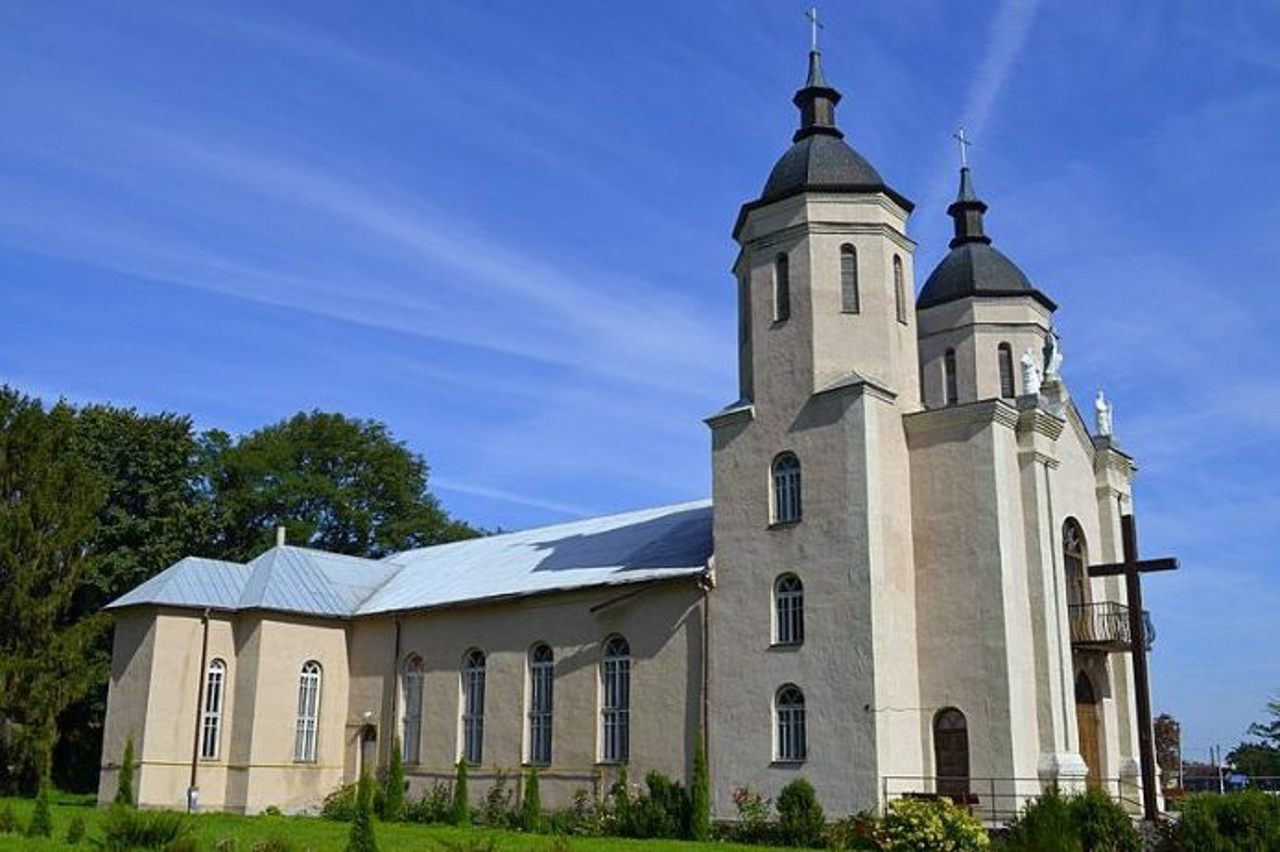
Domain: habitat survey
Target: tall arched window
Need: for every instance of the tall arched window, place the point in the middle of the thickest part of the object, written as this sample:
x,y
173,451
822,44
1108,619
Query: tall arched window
x,y
951,752
899,289
473,707
786,489
1004,353
950,385
215,681
788,599
1073,561
304,741
781,288
411,734
615,704
848,279
541,684
791,742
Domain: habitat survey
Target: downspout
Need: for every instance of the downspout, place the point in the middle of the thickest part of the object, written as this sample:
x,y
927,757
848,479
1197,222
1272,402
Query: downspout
x,y
395,688
193,792
707,583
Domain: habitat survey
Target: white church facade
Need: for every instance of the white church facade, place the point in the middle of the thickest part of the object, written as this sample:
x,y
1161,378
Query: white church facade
x,y
886,594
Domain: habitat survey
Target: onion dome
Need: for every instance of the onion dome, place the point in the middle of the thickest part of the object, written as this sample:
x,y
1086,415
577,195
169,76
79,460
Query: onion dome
x,y
973,267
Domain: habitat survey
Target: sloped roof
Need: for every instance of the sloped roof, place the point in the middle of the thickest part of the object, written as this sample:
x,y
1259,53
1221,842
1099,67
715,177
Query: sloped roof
x,y
645,545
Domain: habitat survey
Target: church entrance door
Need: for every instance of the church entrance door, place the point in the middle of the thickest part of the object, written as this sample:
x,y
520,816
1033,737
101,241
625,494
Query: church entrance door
x,y
951,753
1087,722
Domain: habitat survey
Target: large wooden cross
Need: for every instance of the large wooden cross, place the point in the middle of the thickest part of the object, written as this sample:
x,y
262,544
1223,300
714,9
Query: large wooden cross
x,y
1132,568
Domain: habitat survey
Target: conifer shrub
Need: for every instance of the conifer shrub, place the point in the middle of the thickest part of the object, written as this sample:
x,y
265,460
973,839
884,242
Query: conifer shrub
x,y
75,831
461,796
393,789
801,821
41,824
124,778
1102,824
1239,822
700,795
361,838
126,829
531,803
663,811
1044,825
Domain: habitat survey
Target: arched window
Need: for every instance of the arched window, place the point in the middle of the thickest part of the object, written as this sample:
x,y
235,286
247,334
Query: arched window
x,y
899,289
473,707
215,681
789,709
781,288
788,600
1073,561
1004,353
411,733
848,279
786,489
615,704
951,752
541,683
304,741
951,387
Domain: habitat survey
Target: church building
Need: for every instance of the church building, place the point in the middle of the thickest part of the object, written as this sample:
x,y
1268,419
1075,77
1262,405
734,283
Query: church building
x,y
887,593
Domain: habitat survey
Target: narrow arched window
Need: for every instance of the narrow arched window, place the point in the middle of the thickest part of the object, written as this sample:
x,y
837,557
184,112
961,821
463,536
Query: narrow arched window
x,y
615,703
786,489
215,682
307,733
1004,353
791,738
788,601
899,289
848,279
951,753
1073,561
781,288
411,723
949,377
541,684
473,707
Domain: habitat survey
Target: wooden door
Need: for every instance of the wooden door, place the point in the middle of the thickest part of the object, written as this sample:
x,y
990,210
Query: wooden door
x,y
951,753
1087,722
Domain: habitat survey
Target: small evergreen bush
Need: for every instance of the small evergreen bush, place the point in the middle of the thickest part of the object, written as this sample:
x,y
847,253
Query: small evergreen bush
x,y
75,830
800,818
340,805
663,811
124,778
393,791
126,829
41,824
461,796
1240,822
362,838
700,795
531,803
1102,824
1045,825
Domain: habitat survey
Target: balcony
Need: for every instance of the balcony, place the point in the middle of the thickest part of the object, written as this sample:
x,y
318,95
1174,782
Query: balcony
x,y
1105,627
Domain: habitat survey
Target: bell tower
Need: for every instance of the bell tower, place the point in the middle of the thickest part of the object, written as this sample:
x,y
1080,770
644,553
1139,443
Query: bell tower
x,y
811,481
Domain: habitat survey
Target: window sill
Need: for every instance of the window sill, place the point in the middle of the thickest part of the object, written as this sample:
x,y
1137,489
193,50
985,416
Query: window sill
x,y
607,763
786,646
787,764
783,525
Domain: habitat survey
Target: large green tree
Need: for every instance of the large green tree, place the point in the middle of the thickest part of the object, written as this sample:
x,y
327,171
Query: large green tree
x,y
335,483
1261,758
49,504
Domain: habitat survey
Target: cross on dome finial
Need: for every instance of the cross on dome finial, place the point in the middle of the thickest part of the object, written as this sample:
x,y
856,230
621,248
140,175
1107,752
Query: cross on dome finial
x,y
812,14
963,143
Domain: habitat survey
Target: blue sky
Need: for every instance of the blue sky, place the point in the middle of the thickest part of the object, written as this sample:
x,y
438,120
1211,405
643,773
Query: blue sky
x,y
503,229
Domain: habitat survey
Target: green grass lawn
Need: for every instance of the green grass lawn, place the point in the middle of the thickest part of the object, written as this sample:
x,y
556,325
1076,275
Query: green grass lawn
x,y
311,833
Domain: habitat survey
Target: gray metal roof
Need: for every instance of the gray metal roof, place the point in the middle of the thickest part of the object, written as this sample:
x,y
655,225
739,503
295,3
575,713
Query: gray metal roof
x,y
645,545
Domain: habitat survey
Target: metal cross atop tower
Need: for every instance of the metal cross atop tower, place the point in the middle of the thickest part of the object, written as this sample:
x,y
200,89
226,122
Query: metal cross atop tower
x,y
814,26
963,143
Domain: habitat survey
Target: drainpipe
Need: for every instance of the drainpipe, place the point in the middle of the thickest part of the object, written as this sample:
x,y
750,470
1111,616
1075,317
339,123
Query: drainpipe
x,y
708,582
395,688
193,792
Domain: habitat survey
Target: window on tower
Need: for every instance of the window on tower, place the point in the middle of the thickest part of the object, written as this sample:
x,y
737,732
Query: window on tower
x,y
788,602
848,279
899,289
949,377
790,745
781,288
1005,354
786,489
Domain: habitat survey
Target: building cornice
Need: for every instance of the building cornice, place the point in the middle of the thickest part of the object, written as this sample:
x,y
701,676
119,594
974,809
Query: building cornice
x,y
855,382
994,411
1035,420
742,411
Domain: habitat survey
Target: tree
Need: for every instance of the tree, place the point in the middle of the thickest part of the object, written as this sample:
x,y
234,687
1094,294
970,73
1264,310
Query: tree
x,y
393,792
1168,736
1260,758
124,780
41,824
700,795
1269,732
362,838
461,796
531,803
49,503
336,483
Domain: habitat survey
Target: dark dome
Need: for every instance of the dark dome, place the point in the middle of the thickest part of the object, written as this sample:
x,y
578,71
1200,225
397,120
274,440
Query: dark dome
x,y
821,162
976,269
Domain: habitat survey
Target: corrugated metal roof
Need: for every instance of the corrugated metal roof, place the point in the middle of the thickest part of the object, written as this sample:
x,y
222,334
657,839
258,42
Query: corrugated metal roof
x,y
668,541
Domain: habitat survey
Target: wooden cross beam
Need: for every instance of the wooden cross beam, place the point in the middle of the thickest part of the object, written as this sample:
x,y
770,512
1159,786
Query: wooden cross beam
x,y
1132,569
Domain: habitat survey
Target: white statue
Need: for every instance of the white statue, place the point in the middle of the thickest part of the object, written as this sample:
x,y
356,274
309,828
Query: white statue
x,y
1030,373
1102,409
1052,358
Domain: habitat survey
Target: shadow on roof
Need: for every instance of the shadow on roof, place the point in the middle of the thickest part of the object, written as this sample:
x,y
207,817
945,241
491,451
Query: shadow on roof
x,y
678,540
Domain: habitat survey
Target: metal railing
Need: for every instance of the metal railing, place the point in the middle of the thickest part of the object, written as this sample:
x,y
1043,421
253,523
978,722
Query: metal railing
x,y
995,801
1104,626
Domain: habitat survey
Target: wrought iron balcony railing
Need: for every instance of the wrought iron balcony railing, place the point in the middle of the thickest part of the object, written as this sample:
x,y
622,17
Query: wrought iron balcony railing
x,y
1104,626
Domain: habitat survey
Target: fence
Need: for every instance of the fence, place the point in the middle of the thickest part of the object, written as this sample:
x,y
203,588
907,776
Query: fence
x,y
995,801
